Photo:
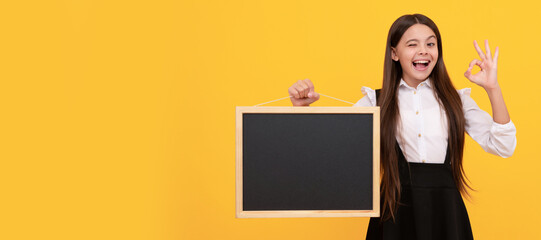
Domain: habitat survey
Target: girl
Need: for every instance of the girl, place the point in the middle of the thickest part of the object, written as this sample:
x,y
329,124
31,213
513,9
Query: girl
x,y
423,121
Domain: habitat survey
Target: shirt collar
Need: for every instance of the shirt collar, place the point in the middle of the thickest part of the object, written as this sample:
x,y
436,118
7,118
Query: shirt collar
x,y
427,82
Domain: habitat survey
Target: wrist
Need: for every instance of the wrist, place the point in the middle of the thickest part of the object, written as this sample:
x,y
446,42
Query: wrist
x,y
493,89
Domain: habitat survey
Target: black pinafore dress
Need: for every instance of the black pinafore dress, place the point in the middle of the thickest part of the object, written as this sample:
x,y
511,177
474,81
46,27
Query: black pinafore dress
x,y
430,206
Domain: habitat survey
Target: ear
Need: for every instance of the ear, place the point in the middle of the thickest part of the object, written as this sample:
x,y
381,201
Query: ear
x,y
394,56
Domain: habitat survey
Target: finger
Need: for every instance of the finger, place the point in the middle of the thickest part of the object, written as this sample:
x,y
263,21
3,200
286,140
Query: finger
x,y
478,49
467,74
311,92
300,90
305,89
496,54
315,96
309,83
293,92
487,50
473,63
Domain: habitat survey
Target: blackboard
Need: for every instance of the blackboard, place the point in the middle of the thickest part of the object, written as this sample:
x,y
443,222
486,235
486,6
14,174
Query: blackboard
x,y
307,162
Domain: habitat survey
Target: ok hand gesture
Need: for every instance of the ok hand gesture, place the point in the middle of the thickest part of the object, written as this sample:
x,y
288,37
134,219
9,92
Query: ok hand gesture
x,y
487,76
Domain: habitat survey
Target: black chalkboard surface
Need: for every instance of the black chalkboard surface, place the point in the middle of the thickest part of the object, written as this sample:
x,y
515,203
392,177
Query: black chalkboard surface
x,y
307,161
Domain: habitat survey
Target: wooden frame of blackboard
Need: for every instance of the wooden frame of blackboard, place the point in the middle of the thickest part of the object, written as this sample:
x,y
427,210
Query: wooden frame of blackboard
x,y
374,212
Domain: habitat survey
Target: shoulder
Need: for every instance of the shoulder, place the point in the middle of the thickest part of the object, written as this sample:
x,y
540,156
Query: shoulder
x,y
369,98
465,92
467,101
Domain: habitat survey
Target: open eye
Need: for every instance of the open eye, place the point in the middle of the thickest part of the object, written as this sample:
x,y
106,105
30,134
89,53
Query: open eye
x,y
431,44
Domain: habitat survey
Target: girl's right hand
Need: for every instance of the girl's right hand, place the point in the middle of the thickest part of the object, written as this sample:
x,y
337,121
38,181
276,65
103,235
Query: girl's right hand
x,y
302,93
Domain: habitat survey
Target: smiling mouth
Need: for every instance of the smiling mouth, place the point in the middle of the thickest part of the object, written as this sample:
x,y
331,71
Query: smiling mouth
x,y
421,65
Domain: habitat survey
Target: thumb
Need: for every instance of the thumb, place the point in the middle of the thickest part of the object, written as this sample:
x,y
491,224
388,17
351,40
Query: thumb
x,y
313,95
467,74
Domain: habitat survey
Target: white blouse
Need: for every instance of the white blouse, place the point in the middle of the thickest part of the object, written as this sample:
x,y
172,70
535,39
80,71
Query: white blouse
x,y
422,132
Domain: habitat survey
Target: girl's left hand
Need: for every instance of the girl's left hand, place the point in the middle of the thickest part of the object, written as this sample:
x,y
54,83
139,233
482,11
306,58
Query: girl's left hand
x,y
487,76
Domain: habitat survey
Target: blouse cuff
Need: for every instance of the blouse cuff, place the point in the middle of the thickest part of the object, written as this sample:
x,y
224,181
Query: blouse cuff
x,y
504,138
504,129
371,94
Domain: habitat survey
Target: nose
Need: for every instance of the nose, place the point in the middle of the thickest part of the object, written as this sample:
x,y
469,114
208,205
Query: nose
x,y
422,50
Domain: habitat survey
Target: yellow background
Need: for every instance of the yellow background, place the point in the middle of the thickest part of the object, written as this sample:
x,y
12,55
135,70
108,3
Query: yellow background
x,y
118,117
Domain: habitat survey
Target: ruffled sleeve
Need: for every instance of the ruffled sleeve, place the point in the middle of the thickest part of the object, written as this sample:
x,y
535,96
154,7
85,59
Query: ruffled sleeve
x,y
369,99
495,138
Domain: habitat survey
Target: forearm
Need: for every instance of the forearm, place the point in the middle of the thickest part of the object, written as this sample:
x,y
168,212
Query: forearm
x,y
499,109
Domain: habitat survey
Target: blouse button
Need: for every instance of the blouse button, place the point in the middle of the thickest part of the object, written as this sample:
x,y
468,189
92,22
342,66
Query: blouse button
x,y
417,113
423,161
414,92
419,135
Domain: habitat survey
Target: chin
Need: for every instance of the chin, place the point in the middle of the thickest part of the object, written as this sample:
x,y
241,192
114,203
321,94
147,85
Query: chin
x,y
425,76
422,78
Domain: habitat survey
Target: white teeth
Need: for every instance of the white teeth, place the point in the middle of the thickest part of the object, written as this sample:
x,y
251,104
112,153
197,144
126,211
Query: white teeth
x,y
421,62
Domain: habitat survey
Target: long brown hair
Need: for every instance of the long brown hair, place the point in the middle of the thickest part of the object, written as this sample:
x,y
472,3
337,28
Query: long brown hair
x,y
388,101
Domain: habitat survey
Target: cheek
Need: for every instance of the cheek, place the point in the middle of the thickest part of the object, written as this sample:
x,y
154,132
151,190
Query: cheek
x,y
435,60
404,63
435,54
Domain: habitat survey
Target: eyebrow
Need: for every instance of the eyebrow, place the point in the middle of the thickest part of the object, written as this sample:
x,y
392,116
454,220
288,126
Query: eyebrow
x,y
432,36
